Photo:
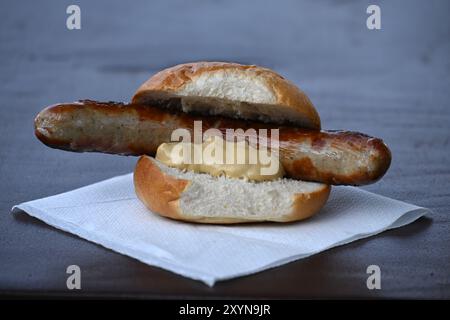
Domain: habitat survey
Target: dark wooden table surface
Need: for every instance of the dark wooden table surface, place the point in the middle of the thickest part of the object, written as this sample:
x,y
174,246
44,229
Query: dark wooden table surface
x,y
393,83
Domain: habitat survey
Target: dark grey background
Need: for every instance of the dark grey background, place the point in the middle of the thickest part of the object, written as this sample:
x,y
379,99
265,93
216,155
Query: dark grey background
x,y
393,83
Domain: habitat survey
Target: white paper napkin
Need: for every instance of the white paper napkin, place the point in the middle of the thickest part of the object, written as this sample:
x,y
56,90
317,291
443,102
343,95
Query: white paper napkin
x,y
108,213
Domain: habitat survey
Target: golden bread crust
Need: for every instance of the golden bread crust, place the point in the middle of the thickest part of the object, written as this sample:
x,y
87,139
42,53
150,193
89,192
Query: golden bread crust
x,y
288,95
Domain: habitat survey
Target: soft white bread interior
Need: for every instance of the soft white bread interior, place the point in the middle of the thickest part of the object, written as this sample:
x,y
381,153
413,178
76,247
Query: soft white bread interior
x,y
230,89
202,198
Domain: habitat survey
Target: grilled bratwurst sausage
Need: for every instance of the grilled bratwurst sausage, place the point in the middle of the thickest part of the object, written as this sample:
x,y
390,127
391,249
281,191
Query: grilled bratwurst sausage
x,y
332,157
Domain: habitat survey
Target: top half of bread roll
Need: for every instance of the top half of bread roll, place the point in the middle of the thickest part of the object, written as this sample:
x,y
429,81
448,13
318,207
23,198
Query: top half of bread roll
x,y
229,89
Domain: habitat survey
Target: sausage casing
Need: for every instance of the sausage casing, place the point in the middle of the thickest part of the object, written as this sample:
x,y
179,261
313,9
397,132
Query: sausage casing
x,y
332,157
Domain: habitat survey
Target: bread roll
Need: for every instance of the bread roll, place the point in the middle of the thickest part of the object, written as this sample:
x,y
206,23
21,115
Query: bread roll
x,y
230,89
202,198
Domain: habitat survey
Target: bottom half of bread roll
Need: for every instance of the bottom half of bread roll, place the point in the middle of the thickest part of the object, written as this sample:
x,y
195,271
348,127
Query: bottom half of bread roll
x,y
202,198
